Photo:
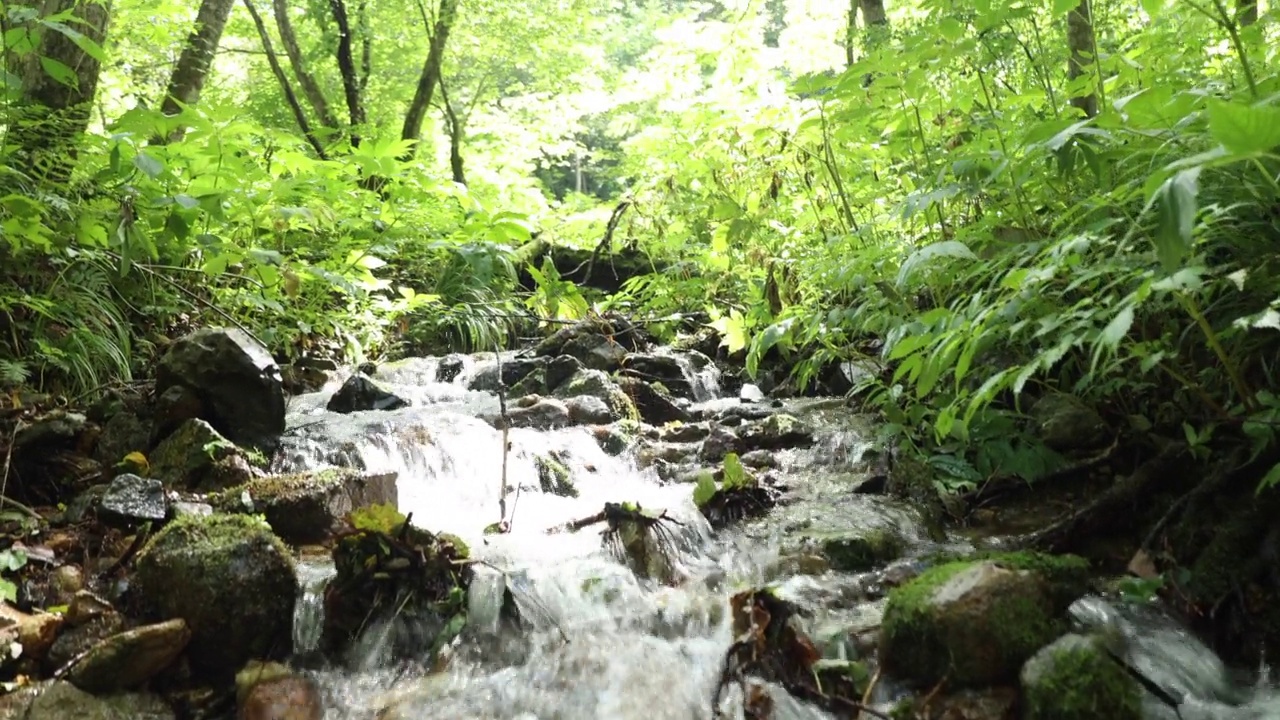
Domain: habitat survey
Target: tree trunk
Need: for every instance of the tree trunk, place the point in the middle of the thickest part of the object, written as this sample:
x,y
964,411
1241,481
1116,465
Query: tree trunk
x,y
197,56
850,32
347,68
1080,42
430,76
289,97
875,23
59,80
310,88
457,132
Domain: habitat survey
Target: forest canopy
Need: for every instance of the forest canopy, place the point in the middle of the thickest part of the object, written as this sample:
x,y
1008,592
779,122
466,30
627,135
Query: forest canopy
x,y
978,201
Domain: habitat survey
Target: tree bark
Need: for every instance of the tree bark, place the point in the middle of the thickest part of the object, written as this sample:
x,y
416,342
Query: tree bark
x,y
289,97
347,69
1080,42
197,56
850,32
874,24
457,132
53,112
430,76
310,88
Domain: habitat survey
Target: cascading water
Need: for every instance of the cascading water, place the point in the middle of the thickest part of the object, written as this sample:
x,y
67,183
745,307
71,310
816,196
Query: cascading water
x,y
598,642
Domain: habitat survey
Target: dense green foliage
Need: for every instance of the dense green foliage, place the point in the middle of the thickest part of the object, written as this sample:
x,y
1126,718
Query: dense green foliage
x,y
934,192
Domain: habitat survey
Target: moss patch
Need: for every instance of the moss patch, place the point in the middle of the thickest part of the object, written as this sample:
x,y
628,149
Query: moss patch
x,y
859,552
554,476
973,622
1075,679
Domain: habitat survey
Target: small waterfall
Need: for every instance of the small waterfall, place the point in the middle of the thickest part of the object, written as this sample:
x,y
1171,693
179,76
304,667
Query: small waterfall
x,y
308,616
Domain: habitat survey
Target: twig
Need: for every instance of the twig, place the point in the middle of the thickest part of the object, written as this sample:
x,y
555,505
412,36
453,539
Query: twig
x,y
503,525
866,696
134,547
607,240
4,479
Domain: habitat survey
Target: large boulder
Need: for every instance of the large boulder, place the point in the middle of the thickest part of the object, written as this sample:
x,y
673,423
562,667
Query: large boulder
x,y
664,369
654,405
1066,423
308,507
231,579
236,379
1075,678
195,456
976,622
127,660
596,383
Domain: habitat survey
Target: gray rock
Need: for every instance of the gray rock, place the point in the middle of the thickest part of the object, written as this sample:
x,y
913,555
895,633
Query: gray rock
x,y
596,383
750,393
596,352
450,368
560,369
719,442
664,369
1065,423
655,406
173,407
760,459
541,414
775,432
488,378
131,500
588,410
231,579
61,700
685,432
554,476
236,379
308,507
128,660
124,433
1074,678
301,379
360,393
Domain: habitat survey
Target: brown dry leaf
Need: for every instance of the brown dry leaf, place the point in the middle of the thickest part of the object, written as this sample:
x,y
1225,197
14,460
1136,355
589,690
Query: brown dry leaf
x,y
1141,565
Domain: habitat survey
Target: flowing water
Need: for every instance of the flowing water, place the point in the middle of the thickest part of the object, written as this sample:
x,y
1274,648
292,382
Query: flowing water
x,y
598,642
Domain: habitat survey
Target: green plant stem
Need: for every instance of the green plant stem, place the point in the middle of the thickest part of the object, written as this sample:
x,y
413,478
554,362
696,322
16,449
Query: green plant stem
x,y
1233,372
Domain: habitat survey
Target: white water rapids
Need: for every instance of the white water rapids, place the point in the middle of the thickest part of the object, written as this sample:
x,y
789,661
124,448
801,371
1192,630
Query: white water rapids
x,y
604,644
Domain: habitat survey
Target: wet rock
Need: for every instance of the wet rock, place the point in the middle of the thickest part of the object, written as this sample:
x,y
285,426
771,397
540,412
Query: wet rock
x,y
594,383
64,582
735,415
664,369
639,538
198,457
860,551
588,410
720,442
231,579
775,432
534,412
535,383
184,508
986,704
124,433
612,329
1065,423
749,393
13,705
361,393
976,622
61,700
655,406
269,691
173,407
489,379
681,432
1075,678
89,621
450,367
402,584
308,507
650,453
236,379
554,476
596,352
760,459
301,379
130,500
560,369
128,660
617,438
36,632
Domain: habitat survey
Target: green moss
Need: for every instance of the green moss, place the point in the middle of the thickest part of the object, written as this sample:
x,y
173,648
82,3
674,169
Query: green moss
x,y
1075,679
861,552
985,644
279,487
385,519
554,476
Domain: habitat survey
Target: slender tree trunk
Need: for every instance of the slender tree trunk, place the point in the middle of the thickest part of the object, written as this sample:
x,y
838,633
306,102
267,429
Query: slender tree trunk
x,y
59,80
310,88
197,56
457,132
850,32
366,45
875,24
347,69
1080,42
430,76
290,98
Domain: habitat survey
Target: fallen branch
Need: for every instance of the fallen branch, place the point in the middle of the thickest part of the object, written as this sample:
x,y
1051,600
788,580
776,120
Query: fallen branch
x,y
607,240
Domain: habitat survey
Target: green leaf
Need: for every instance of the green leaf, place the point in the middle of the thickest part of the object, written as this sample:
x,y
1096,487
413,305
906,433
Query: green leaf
x,y
735,475
1118,328
704,490
1271,479
1244,129
59,71
148,165
1153,7
1062,7
1176,216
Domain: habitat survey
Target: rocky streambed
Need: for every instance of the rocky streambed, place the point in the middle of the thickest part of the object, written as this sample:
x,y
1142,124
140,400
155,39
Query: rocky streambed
x,y
592,528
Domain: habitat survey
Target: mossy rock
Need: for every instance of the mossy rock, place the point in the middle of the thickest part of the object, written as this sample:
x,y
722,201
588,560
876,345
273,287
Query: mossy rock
x,y
554,476
976,622
231,579
308,507
596,383
197,457
1075,679
861,551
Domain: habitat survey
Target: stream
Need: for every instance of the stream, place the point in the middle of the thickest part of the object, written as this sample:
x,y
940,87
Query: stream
x,y
600,643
